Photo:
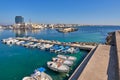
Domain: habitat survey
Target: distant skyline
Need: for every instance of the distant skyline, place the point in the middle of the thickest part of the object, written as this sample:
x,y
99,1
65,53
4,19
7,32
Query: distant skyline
x,y
96,12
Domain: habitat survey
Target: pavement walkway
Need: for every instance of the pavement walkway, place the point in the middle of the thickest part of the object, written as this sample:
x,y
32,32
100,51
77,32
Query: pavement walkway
x,y
102,64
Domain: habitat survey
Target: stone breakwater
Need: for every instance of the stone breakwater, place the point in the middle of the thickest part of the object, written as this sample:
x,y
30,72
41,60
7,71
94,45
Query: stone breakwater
x,y
110,39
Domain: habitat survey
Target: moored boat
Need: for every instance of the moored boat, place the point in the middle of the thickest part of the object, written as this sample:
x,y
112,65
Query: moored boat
x,y
63,61
39,74
19,42
67,57
57,67
28,44
28,78
59,49
65,49
77,50
54,48
42,46
48,46
9,41
34,45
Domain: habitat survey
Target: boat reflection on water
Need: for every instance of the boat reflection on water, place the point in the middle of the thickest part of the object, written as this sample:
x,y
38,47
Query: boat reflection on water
x,y
25,32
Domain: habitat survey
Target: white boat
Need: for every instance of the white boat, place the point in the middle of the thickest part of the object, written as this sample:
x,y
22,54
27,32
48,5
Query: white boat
x,y
42,47
3,40
19,42
77,50
67,57
70,50
48,46
38,76
63,61
34,39
34,45
52,50
30,38
28,44
9,41
28,78
38,46
73,50
14,41
57,67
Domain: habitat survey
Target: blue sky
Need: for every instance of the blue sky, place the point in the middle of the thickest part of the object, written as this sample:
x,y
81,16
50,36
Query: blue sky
x,y
61,11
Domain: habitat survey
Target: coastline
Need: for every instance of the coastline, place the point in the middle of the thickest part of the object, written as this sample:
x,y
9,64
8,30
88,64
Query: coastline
x,y
53,26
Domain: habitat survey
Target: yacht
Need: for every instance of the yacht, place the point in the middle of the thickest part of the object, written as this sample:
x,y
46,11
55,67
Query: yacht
x,y
63,61
57,66
67,57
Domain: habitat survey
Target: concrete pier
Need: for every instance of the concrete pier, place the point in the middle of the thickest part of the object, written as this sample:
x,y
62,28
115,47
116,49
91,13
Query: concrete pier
x,y
82,45
104,64
117,39
80,68
101,65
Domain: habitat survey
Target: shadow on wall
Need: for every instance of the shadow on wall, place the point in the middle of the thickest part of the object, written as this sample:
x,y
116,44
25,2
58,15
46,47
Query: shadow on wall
x,y
113,65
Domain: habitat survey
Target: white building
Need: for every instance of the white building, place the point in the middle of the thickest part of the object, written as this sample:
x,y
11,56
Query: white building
x,y
36,26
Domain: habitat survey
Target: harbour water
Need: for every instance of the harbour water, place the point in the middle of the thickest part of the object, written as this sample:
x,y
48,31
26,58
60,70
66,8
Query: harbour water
x,y
17,62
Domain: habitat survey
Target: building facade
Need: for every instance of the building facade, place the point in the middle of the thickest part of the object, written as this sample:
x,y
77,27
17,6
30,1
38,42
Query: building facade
x,y
19,20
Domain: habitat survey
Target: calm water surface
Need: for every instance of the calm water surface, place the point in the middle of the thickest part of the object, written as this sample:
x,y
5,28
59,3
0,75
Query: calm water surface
x,y
17,61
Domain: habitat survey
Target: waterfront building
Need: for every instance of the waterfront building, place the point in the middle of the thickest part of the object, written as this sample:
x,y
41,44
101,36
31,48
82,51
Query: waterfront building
x,y
36,26
19,20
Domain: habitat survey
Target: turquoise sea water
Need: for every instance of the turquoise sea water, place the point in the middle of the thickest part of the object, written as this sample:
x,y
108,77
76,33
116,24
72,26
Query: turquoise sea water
x,y
17,62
